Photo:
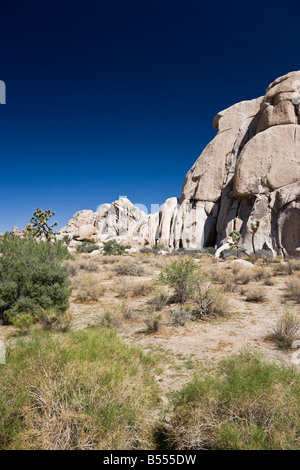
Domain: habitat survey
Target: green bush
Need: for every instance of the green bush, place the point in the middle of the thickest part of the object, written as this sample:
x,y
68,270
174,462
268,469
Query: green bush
x,y
86,247
113,248
181,275
32,278
245,404
23,322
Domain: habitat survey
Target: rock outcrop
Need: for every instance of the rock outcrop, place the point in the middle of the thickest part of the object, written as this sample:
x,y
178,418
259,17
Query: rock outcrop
x,y
250,171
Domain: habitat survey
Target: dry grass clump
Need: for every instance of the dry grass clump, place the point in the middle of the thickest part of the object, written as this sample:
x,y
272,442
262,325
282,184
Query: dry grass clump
x,y
142,289
125,310
286,268
106,259
286,330
129,269
58,321
153,323
77,391
244,276
260,274
294,265
122,287
126,289
158,302
218,275
244,404
110,320
89,289
256,295
209,303
292,289
179,316
91,267
73,268
268,281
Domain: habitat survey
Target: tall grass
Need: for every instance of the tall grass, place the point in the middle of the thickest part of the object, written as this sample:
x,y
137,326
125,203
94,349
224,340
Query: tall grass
x,y
244,403
83,390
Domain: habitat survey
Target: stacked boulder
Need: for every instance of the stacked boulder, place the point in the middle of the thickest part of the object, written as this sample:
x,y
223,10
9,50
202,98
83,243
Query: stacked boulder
x,y
250,171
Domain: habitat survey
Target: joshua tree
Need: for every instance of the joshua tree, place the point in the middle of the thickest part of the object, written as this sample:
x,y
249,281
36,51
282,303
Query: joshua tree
x,y
236,235
254,228
39,224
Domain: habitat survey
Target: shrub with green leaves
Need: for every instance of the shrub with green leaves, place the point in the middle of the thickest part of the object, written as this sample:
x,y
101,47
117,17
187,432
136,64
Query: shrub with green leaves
x,y
113,248
23,322
86,247
182,276
32,278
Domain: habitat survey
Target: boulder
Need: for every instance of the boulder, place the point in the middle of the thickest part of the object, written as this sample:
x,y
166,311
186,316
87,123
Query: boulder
x,y
250,171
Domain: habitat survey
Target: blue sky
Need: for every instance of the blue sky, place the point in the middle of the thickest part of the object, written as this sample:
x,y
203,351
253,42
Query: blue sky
x,y
115,97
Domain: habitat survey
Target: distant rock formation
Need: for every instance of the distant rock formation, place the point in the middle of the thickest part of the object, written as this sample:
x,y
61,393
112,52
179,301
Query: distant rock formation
x,y
250,171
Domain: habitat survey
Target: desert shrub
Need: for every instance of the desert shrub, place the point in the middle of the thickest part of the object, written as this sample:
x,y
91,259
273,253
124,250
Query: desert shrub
x,y
86,247
285,331
109,320
180,316
73,268
292,290
60,321
125,310
154,249
222,276
113,248
209,303
32,277
219,275
243,276
238,252
285,268
245,404
259,274
122,287
264,255
78,391
182,276
294,265
110,260
256,295
90,267
23,322
268,281
89,289
153,323
158,302
142,289
129,269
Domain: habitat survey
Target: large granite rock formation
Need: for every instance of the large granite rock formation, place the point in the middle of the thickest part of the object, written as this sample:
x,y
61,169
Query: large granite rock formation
x,y
250,171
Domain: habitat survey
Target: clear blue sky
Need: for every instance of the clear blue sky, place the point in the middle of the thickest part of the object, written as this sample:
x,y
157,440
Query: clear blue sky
x,y
117,97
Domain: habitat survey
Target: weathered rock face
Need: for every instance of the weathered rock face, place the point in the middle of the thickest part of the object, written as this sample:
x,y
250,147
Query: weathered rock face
x,y
256,154
250,171
121,221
